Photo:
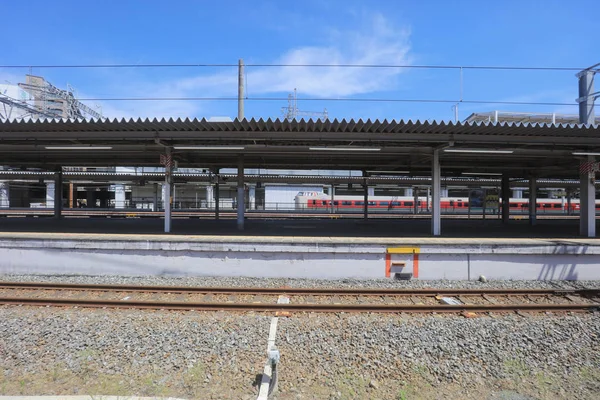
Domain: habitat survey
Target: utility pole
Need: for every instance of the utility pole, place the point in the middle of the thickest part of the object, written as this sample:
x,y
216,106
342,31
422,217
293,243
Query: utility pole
x,y
241,90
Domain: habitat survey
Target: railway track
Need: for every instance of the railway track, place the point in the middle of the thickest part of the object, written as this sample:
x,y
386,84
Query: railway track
x,y
301,299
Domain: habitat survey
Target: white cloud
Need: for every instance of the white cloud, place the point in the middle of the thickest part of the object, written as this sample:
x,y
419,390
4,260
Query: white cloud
x,y
378,43
375,41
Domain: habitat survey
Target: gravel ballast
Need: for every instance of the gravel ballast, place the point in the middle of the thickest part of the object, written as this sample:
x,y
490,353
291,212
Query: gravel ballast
x,y
281,282
216,355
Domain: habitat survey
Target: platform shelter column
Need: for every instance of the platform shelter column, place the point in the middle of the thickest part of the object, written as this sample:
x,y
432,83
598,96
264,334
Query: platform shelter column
x,y
50,194
332,202
416,200
119,196
167,161
436,185
587,198
532,200
4,195
252,197
72,195
155,199
366,199
241,194
58,180
210,196
90,197
505,194
217,193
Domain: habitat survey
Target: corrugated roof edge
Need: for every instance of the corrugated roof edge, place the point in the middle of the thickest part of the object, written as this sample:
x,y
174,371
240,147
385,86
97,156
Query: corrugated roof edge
x,y
234,125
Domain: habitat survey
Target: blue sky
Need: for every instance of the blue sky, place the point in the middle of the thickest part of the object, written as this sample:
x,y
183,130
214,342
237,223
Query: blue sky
x,y
508,33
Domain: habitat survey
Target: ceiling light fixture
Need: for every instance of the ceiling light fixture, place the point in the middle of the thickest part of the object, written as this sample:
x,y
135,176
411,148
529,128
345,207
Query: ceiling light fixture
x,y
482,173
78,147
209,147
583,153
482,151
344,148
388,172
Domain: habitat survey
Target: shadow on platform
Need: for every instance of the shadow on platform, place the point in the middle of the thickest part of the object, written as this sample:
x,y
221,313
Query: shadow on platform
x,y
314,228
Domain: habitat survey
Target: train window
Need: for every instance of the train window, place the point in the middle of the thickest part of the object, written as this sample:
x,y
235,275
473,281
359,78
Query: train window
x,y
451,203
314,202
547,205
372,203
384,203
459,204
396,203
558,206
419,202
409,203
359,203
324,202
346,203
513,205
335,202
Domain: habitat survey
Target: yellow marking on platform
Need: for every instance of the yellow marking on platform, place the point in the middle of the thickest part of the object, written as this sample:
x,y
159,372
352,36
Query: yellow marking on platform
x,y
403,250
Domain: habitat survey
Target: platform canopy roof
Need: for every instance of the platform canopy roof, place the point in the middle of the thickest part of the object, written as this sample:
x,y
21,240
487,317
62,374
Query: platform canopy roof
x,y
518,149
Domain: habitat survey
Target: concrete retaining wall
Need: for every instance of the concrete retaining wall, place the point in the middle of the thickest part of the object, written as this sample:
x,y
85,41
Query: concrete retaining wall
x,y
330,258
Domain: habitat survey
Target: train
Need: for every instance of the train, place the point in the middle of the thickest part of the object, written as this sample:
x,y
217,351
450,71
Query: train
x,y
322,201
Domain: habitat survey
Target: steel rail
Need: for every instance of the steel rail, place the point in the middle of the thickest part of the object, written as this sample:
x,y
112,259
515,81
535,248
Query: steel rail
x,y
264,307
296,291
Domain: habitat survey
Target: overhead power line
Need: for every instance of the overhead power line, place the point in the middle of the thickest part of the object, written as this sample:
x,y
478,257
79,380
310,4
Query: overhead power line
x,y
337,99
219,65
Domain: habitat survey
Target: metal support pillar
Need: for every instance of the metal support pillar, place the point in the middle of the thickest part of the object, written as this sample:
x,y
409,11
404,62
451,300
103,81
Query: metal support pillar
x,y
505,195
436,185
366,200
167,190
587,197
569,197
58,194
586,96
332,195
217,194
416,201
50,194
252,197
71,196
90,198
210,196
241,195
155,199
517,193
4,195
532,200
587,203
119,196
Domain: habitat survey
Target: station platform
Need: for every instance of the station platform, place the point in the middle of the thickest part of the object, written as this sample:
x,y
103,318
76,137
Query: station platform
x,y
301,249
